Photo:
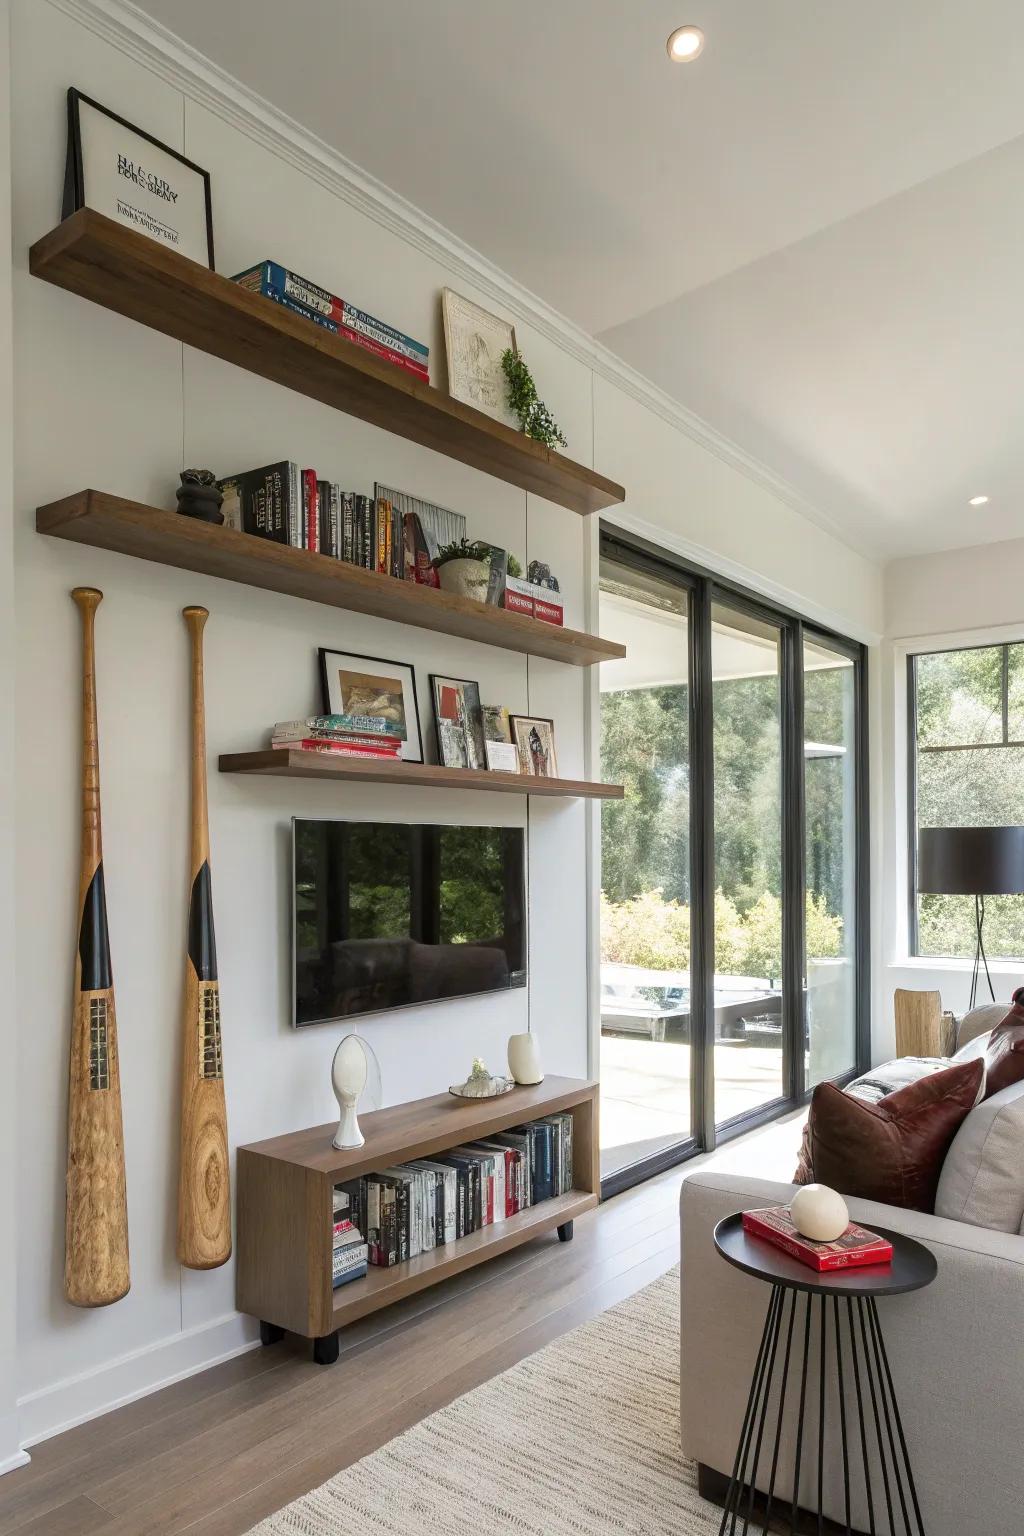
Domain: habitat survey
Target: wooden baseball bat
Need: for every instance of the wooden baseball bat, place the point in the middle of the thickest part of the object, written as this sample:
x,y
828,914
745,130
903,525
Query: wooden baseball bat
x,y
96,1268
204,1190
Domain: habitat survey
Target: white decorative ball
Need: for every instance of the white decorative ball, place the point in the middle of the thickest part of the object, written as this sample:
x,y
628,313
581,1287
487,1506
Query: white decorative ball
x,y
819,1213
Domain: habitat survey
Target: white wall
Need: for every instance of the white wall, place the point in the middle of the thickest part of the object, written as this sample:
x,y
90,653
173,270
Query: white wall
x,y
956,598
103,402
10,1456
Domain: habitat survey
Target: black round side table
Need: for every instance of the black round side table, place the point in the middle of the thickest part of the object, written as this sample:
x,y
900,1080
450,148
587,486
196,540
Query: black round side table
x,y
846,1309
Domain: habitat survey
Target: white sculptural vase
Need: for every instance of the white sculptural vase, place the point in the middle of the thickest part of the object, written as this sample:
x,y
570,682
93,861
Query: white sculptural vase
x,y
348,1078
524,1059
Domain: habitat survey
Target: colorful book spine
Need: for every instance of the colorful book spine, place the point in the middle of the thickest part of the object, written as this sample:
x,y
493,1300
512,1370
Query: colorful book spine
x,y
269,292
319,301
364,724
310,511
338,748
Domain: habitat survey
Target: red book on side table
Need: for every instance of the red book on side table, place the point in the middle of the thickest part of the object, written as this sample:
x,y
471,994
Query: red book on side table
x,y
857,1246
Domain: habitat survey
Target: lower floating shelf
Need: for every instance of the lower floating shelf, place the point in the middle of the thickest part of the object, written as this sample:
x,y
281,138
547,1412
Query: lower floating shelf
x,y
295,764
382,1286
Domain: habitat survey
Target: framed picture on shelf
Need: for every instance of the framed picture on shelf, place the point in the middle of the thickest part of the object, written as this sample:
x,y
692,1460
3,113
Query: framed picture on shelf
x,y
474,341
535,740
123,172
500,750
377,689
459,722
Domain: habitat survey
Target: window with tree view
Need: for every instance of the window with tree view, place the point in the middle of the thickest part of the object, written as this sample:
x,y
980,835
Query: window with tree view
x,y
967,741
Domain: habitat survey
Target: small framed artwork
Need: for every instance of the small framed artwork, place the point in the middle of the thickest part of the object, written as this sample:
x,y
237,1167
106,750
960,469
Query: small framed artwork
x,y
370,688
474,342
459,721
501,752
125,173
535,740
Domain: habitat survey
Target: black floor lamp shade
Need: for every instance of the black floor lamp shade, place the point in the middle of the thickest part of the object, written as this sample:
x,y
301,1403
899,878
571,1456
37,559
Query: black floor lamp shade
x,y
971,861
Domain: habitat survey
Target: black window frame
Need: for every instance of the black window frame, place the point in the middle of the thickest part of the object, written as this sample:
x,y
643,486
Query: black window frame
x,y
913,657
704,588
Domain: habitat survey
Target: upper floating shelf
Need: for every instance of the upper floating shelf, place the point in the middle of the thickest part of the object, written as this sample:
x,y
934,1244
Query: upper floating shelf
x,y
130,528
128,272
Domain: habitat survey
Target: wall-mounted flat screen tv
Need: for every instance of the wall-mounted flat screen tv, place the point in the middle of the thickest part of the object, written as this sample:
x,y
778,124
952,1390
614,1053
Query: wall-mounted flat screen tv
x,y
387,915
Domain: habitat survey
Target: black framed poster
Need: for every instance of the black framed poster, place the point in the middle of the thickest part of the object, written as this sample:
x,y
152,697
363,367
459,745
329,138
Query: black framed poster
x,y
123,172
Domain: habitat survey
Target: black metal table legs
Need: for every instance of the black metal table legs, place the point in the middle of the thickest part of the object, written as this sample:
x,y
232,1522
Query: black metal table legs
x,y
867,1428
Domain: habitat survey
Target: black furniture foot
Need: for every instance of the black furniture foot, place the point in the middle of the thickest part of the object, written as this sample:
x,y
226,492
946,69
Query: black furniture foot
x,y
565,1232
270,1333
325,1350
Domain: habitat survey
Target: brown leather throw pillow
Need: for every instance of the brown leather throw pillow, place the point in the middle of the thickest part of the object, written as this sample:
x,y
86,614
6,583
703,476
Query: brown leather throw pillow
x,y
891,1151
1004,1053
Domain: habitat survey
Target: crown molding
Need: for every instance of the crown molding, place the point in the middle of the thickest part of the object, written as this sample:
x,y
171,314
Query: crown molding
x,y
157,48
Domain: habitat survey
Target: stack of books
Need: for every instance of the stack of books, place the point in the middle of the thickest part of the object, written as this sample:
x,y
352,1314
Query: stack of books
x,y
348,1249
340,317
414,1207
390,532
857,1246
347,735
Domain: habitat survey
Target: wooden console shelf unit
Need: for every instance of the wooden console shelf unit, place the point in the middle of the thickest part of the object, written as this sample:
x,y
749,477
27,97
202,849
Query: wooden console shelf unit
x,y
285,762
150,533
133,275
285,1188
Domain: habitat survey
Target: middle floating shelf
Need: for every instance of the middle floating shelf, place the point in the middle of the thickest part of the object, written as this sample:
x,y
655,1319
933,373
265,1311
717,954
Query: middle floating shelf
x,y
283,762
151,533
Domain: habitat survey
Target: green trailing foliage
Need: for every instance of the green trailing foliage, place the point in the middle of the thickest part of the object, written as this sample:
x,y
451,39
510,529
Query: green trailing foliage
x,y
533,415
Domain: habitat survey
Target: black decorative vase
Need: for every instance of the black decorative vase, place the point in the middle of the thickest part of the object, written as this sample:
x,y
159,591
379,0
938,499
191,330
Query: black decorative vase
x,y
198,495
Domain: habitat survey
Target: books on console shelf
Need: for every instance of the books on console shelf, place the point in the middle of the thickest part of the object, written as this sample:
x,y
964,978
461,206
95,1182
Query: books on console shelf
x,y
276,282
858,1246
414,1207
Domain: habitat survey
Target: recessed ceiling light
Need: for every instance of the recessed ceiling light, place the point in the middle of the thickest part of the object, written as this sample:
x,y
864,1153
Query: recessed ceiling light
x,y
685,45
978,501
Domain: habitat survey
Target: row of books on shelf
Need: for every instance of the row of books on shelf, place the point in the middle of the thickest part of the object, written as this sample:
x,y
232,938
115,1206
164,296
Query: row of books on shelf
x,y
338,316
391,532
349,735
389,1217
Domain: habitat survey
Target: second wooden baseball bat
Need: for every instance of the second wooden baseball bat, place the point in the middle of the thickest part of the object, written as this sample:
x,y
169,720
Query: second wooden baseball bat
x,y
204,1190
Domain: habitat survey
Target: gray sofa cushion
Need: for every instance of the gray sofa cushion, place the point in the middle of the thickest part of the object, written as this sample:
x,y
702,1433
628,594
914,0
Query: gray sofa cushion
x,y
979,1021
982,1179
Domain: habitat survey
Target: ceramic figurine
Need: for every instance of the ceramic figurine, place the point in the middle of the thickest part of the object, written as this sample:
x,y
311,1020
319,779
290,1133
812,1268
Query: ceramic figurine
x,y
480,1084
348,1076
199,496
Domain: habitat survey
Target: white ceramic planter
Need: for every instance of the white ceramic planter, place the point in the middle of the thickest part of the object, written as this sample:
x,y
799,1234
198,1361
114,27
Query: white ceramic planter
x,y
469,578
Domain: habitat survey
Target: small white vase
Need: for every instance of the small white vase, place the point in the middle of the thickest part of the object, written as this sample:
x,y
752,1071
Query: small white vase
x,y
524,1059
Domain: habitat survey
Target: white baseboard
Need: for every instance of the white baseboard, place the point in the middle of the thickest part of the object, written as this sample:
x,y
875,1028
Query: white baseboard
x,y
75,1399
18,1459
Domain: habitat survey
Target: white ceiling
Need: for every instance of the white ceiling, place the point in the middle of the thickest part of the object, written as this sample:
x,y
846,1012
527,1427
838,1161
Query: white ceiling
x,y
811,236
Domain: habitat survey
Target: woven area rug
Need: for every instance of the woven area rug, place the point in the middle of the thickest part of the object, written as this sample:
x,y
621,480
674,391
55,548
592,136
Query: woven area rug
x,y
580,1439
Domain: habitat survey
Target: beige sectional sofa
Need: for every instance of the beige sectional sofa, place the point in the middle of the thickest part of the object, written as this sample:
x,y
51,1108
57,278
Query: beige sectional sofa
x,y
956,1348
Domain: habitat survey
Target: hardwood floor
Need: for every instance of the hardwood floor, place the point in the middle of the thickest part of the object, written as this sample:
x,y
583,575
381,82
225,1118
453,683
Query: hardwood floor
x,y
218,1452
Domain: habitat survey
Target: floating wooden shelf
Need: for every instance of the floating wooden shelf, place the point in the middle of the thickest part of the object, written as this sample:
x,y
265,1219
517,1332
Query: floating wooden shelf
x,y
283,762
129,528
284,1202
128,272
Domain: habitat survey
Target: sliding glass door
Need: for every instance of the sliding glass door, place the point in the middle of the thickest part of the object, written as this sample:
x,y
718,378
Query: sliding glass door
x,y
746,672
646,1047
733,976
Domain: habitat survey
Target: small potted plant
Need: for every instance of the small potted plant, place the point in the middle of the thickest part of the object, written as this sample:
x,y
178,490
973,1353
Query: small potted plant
x,y
465,568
